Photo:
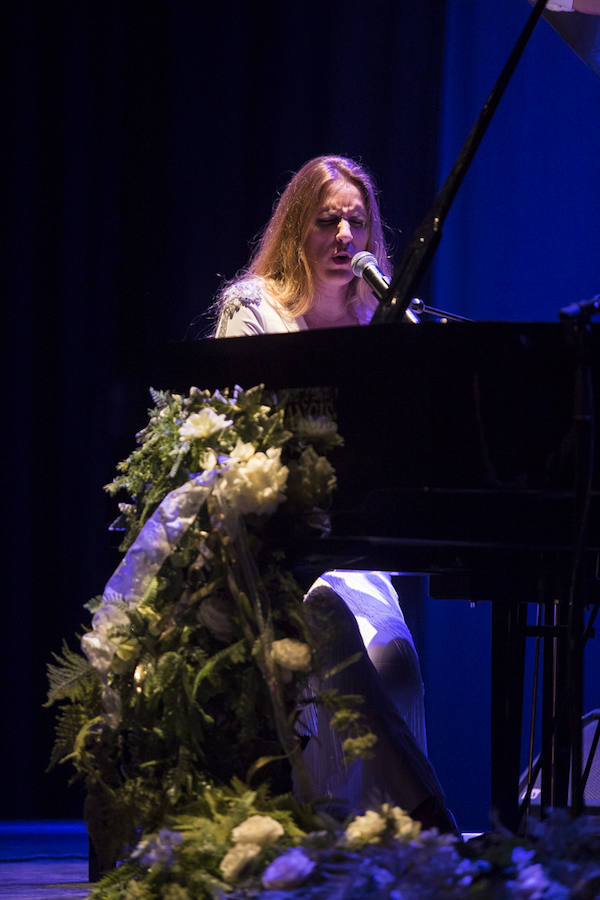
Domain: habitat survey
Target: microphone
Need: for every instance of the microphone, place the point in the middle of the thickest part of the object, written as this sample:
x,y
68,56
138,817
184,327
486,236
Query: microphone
x,y
365,265
582,309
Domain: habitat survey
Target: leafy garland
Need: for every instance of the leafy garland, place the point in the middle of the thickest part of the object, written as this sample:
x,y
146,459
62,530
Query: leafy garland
x,y
186,697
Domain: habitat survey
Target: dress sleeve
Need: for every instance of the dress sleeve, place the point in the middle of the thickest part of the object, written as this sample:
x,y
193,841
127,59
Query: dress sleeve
x,y
241,312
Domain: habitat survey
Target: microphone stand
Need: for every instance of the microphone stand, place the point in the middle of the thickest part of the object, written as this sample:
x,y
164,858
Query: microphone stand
x,y
442,316
425,240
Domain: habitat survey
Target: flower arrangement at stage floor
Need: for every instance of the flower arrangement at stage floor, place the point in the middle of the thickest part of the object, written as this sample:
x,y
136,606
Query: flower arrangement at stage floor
x,y
184,712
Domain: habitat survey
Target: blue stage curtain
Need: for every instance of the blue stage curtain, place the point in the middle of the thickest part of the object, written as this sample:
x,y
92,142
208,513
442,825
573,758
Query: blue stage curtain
x,y
523,237
146,143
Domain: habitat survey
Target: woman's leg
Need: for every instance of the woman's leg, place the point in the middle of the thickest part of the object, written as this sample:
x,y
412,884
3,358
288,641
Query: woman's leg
x,y
399,771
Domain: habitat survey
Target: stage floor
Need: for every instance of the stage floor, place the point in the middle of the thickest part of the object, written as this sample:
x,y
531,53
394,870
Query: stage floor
x,y
45,860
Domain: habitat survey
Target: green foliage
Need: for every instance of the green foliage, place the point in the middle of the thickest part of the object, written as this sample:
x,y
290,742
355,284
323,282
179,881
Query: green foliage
x,y
75,685
70,721
120,884
312,479
70,676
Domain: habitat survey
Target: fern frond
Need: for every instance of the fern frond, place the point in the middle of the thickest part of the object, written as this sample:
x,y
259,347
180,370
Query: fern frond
x,y
160,398
113,882
77,754
66,679
69,722
233,654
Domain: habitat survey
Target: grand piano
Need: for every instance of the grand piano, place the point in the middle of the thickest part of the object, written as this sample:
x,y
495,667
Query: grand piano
x,y
458,462
468,456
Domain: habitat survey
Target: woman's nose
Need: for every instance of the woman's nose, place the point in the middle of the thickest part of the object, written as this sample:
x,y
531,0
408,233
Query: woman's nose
x,y
344,232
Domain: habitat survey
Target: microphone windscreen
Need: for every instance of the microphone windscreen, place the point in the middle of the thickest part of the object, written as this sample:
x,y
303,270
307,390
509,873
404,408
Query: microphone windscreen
x,y
361,260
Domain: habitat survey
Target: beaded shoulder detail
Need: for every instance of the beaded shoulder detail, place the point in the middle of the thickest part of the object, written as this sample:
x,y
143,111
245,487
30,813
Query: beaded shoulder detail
x,y
247,292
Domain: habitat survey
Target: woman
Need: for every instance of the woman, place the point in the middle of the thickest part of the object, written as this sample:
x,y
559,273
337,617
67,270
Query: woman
x,y
300,277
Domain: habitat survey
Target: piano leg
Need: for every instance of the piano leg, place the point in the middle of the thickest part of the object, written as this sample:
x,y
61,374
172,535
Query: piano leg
x,y
555,721
507,665
561,691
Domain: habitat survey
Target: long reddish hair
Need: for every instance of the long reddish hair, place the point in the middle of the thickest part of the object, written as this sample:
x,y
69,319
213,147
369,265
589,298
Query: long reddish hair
x,y
280,257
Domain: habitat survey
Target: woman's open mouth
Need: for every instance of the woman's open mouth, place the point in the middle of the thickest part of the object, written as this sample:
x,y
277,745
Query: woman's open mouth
x,y
341,258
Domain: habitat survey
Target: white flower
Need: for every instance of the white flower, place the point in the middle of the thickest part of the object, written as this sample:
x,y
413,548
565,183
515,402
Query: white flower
x,y
242,451
532,882
209,461
365,829
109,637
522,857
253,482
203,423
288,871
159,851
110,617
382,877
317,429
291,654
262,830
99,651
236,859
405,828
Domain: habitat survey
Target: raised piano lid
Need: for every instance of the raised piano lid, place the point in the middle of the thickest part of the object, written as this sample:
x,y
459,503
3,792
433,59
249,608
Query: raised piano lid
x,y
581,32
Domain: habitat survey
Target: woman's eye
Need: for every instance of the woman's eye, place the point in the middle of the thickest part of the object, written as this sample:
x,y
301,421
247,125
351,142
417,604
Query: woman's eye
x,y
329,221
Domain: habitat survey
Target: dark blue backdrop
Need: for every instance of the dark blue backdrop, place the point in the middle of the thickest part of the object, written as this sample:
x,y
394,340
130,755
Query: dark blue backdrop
x,y
146,143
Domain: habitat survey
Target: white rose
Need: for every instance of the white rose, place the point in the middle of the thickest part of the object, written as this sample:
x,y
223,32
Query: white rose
x,y
242,451
209,461
261,830
288,871
236,859
253,483
203,423
291,654
365,829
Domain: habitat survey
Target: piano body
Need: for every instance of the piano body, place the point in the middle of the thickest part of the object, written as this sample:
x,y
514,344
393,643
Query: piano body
x,y
458,462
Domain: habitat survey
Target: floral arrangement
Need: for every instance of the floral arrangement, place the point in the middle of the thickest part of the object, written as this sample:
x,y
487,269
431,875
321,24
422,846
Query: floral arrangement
x,y
182,713
198,650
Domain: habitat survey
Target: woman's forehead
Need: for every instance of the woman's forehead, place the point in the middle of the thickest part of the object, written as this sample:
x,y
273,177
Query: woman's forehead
x,y
342,196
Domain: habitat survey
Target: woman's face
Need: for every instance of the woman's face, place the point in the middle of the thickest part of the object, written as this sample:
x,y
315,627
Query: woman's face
x,y
339,228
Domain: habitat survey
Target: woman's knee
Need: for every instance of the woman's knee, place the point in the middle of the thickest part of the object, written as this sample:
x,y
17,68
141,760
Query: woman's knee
x,y
397,664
